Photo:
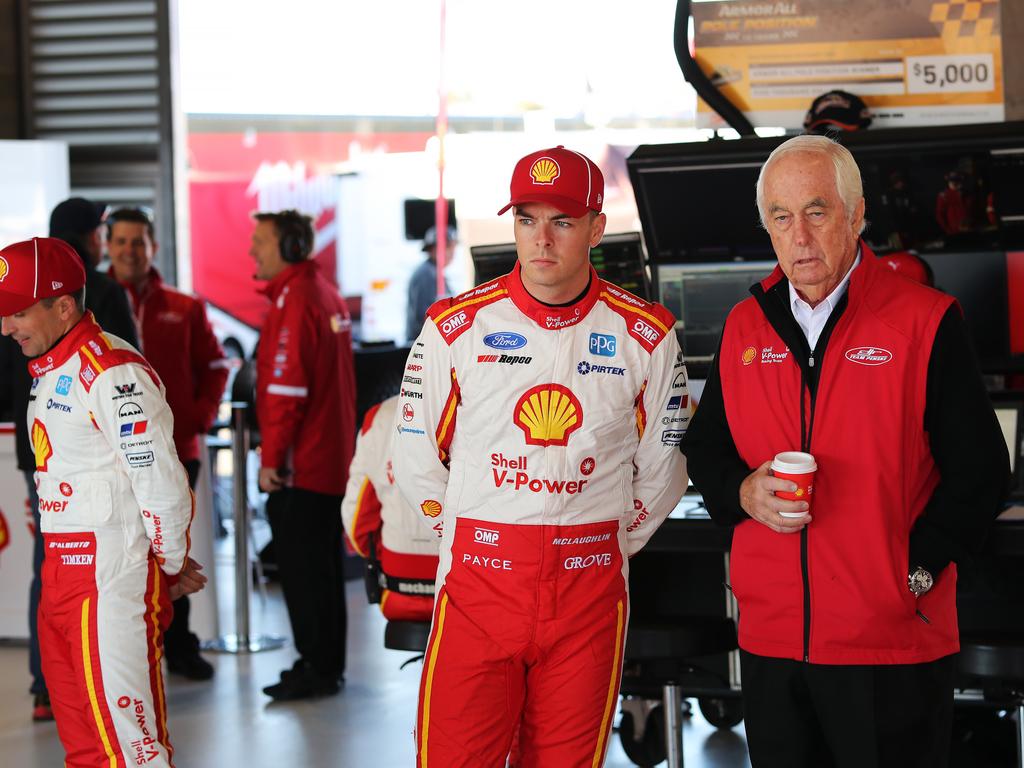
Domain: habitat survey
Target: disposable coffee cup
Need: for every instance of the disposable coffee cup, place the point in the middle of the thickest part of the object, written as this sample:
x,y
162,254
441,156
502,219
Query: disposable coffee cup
x,y
799,468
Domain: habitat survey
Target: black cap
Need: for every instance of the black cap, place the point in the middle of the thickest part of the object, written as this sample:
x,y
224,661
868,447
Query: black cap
x,y
430,238
837,110
75,216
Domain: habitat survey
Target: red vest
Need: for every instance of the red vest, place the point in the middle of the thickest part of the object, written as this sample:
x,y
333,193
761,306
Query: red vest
x,y
875,476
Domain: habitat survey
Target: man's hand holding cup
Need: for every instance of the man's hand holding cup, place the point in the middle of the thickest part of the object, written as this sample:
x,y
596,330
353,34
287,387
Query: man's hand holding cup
x,y
779,492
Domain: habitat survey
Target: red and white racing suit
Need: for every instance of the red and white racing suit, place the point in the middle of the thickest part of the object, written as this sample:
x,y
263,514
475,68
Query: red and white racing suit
x,y
116,509
542,443
374,511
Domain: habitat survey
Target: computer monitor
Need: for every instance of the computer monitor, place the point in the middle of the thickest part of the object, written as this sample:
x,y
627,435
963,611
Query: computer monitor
x,y
619,259
701,297
420,216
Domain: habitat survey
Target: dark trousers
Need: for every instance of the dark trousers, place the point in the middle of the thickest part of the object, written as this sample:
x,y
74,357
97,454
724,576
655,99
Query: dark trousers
x,y
857,716
35,665
307,545
178,641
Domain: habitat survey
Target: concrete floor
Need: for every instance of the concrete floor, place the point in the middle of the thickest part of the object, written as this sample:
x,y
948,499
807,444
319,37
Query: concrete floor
x,y
229,722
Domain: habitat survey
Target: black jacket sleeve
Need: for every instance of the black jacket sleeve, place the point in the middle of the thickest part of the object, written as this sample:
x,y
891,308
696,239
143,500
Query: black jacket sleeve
x,y
714,465
968,448
109,303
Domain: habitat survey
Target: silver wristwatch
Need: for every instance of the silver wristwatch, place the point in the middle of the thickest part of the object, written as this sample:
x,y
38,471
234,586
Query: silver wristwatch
x,y
919,581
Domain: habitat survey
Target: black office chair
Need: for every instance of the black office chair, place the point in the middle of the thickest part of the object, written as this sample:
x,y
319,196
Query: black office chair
x,y
995,663
669,656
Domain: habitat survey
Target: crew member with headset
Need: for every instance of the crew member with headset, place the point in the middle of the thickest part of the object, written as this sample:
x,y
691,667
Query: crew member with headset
x,y
305,406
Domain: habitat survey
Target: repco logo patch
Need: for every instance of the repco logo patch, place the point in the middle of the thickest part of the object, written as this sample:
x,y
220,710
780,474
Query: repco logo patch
x,y
869,355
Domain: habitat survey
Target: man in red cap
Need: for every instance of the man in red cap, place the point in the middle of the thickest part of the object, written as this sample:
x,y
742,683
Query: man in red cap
x,y
115,509
537,432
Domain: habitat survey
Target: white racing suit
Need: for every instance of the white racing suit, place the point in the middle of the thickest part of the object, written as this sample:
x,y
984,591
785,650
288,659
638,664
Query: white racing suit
x,y
116,508
542,444
383,528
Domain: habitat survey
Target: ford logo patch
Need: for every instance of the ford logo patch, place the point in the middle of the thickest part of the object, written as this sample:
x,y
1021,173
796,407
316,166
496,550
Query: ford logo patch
x,y
504,340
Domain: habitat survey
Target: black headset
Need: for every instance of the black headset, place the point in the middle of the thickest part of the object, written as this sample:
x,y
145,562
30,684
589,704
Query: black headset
x,y
291,238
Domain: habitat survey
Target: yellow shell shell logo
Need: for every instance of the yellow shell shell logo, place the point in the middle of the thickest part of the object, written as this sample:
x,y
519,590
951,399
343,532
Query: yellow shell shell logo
x,y
545,171
5,534
4,268
431,508
41,445
748,355
548,414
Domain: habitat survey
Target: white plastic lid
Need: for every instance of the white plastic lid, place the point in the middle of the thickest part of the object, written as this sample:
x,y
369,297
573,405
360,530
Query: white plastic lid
x,y
794,463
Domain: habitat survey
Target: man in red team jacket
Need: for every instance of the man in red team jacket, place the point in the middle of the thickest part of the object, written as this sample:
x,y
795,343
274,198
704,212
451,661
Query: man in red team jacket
x,y
305,405
176,338
848,624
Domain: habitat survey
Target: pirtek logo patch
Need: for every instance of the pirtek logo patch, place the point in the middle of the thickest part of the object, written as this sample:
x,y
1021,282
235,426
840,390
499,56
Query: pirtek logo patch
x,y
548,414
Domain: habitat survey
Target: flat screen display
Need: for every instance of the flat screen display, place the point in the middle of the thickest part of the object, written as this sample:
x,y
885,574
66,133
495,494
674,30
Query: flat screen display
x,y
701,297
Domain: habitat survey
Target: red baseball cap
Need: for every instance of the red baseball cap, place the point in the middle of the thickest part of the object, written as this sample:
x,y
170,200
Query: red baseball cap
x,y
907,264
35,269
568,180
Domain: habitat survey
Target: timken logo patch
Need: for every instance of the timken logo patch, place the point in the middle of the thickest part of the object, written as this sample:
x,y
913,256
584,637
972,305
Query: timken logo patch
x,y
749,354
548,414
41,445
869,355
545,171
5,268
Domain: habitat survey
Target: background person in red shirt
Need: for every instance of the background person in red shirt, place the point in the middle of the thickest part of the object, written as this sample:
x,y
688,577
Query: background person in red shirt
x,y
305,406
177,340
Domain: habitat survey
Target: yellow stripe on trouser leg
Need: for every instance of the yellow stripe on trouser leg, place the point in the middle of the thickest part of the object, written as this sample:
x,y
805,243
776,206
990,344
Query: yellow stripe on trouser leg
x,y
612,688
430,680
91,685
160,703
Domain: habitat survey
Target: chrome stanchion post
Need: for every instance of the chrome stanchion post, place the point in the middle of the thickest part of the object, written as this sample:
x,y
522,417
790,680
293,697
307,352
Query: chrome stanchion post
x,y
242,641
673,707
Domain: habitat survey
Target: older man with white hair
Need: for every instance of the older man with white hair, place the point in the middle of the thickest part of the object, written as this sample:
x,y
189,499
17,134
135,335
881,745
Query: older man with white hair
x,y
848,610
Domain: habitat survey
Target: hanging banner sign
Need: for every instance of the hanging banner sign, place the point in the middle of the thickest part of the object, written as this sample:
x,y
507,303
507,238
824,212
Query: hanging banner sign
x,y
913,62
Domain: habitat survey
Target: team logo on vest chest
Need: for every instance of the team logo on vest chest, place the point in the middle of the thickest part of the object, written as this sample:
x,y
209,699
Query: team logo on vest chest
x,y
868,355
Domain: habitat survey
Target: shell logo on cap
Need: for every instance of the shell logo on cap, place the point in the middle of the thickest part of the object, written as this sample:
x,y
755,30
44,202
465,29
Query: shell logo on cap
x,y
41,445
5,268
431,508
548,414
748,355
545,171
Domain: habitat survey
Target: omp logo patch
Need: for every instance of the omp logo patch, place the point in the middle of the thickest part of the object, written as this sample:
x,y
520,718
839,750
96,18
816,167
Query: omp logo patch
x,y
548,414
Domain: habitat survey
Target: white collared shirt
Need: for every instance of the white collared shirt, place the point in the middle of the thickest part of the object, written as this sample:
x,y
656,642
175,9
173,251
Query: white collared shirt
x,y
812,319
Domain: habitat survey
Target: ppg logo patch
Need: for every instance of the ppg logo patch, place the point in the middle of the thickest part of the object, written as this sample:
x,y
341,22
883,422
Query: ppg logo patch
x,y
64,385
602,344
